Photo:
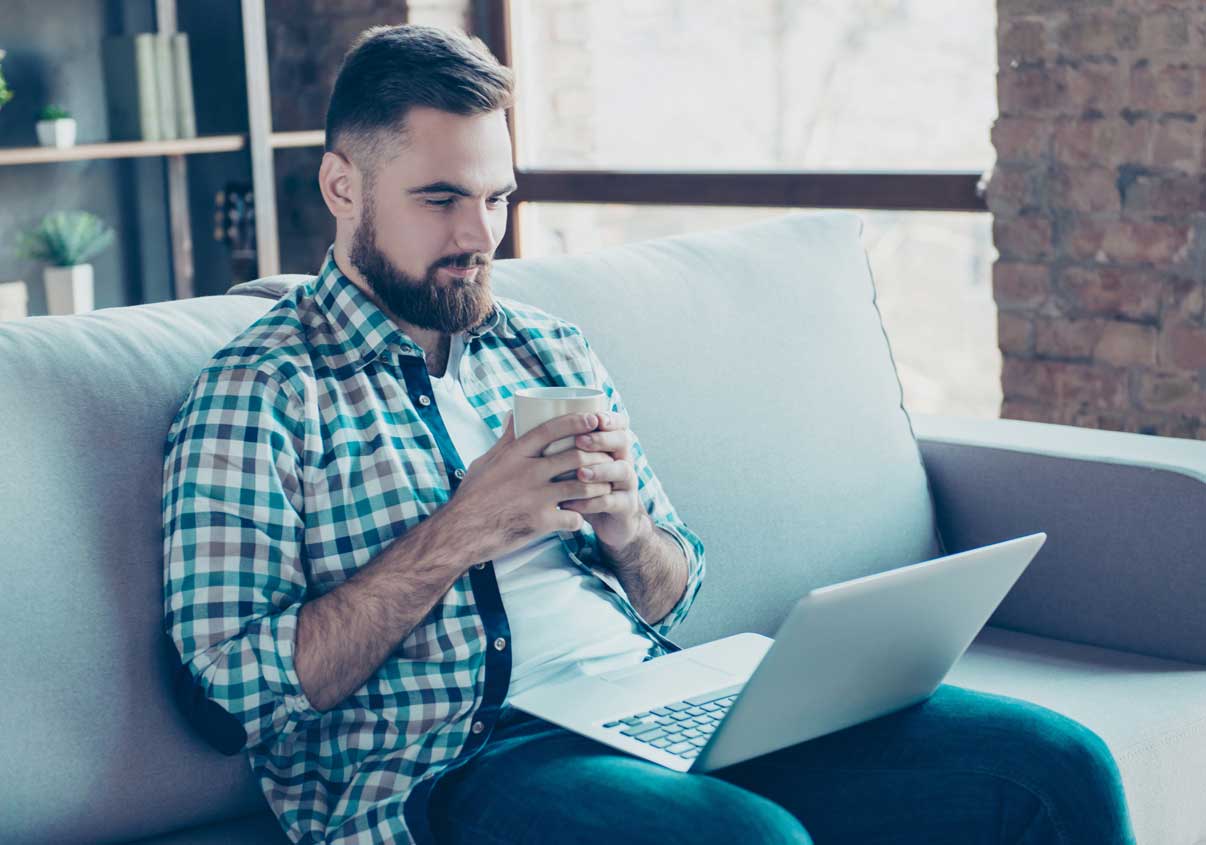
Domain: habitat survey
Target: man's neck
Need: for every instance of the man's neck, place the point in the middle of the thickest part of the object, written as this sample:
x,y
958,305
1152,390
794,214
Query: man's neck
x,y
435,344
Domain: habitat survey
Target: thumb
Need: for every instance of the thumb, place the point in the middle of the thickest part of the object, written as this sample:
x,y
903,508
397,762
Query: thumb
x,y
508,435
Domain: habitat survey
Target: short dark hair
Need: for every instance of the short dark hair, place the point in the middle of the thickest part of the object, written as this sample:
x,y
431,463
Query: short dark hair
x,y
390,69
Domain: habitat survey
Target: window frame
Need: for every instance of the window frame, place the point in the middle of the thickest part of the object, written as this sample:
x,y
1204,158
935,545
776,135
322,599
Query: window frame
x,y
872,190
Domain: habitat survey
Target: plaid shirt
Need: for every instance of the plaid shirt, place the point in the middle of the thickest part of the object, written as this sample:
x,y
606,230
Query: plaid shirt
x,y
306,446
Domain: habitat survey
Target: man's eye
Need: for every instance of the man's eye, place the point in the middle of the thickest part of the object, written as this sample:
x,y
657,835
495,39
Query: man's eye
x,y
440,202
499,200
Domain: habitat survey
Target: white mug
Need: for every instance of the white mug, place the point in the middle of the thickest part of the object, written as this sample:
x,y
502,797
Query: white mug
x,y
536,405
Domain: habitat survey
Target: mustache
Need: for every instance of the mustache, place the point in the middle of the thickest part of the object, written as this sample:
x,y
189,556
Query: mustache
x,y
463,262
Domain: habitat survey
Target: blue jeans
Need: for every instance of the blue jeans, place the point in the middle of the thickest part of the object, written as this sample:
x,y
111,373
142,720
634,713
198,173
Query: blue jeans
x,y
960,768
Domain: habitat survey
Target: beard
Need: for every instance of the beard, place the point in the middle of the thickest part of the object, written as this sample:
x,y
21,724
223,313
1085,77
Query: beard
x,y
427,303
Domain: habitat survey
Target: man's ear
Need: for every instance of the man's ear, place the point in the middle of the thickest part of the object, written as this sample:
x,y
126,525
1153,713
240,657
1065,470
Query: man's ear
x,y
340,183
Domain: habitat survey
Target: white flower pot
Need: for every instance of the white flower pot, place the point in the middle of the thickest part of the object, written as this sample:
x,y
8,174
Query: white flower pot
x,y
68,289
14,297
56,133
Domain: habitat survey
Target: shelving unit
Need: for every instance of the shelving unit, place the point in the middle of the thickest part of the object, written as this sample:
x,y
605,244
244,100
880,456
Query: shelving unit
x,y
260,141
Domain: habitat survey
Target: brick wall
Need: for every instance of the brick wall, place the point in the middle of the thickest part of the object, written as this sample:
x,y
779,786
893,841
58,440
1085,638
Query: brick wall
x,y
1097,198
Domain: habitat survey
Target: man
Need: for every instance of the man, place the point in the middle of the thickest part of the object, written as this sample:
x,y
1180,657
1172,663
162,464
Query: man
x,y
353,608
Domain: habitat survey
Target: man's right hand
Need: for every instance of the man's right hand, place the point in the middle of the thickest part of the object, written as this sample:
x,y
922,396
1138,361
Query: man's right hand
x,y
508,497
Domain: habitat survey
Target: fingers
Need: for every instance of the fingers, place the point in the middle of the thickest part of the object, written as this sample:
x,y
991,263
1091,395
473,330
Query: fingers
x,y
568,490
609,503
566,425
571,460
620,474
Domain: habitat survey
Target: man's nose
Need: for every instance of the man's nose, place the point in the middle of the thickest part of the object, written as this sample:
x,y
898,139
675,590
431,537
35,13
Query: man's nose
x,y
474,233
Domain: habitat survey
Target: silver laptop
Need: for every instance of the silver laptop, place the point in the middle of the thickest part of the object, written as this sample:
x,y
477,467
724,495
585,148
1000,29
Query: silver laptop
x,y
846,653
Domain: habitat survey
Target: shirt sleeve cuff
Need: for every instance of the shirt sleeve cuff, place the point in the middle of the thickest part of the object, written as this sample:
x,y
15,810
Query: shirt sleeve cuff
x,y
283,630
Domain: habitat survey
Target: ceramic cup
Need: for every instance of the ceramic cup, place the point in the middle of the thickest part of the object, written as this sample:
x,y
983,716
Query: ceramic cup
x,y
536,405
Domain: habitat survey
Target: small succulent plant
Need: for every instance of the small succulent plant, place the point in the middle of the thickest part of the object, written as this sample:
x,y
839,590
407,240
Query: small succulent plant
x,y
53,113
65,238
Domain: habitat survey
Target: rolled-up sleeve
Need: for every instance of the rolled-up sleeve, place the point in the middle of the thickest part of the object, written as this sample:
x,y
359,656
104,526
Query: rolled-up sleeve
x,y
234,581
655,501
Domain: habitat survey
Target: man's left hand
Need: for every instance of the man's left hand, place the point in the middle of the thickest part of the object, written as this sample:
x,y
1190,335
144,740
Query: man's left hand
x,y
617,516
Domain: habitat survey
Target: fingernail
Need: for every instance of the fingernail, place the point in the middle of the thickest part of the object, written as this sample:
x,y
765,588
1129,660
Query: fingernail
x,y
590,419
588,474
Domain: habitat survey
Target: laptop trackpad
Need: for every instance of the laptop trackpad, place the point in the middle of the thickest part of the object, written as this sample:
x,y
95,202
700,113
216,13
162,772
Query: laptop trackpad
x,y
681,678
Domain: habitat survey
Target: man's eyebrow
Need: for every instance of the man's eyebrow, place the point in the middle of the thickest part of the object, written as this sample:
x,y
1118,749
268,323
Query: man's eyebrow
x,y
459,190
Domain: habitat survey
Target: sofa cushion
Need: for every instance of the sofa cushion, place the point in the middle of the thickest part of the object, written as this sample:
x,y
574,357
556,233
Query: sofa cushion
x,y
1150,712
756,372
94,746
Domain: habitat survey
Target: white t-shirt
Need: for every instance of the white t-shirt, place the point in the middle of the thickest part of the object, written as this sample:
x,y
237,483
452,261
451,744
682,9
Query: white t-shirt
x,y
563,621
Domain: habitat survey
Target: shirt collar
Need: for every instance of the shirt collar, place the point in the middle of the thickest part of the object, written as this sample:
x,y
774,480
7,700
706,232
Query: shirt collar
x,y
363,331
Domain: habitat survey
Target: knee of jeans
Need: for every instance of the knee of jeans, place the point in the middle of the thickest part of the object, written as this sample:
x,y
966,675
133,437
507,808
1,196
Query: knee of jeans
x,y
1070,766
723,813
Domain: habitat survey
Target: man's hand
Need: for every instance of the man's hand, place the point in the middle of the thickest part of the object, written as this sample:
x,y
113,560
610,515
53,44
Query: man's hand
x,y
508,496
617,515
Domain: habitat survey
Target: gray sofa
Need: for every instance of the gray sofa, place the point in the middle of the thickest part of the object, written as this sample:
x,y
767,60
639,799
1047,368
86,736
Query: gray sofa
x,y
758,375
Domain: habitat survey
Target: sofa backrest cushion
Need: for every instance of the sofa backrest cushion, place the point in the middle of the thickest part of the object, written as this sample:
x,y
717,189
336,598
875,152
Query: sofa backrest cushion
x,y
757,374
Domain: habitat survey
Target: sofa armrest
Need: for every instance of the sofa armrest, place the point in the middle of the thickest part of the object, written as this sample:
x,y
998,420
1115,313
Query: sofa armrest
x,y
1124,565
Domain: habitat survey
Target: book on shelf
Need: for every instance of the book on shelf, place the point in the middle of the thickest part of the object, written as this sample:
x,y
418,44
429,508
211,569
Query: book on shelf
x,y
149,87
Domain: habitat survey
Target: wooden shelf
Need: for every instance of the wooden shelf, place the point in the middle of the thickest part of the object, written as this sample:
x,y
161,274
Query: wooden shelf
x,y
311,138
122,149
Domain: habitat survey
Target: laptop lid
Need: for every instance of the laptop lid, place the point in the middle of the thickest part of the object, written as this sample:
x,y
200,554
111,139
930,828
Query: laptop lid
x,y
859,649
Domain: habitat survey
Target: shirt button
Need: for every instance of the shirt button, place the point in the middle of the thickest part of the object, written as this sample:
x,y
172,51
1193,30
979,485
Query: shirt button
x,y
459,473
424,400
479,566
500,644
478,727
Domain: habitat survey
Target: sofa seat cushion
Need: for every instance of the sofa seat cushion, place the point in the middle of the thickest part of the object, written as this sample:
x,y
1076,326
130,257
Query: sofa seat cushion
x,y
1150,712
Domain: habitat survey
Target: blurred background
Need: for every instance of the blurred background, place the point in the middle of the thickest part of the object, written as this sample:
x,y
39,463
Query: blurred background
x,y
637,119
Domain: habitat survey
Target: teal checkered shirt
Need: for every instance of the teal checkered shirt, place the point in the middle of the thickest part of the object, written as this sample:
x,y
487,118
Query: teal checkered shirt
x,y
306,446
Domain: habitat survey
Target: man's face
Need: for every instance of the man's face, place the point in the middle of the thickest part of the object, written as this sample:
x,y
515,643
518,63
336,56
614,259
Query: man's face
x,y
439,204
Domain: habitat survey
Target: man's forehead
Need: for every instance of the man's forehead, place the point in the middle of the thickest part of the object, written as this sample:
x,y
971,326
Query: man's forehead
x,y
453,153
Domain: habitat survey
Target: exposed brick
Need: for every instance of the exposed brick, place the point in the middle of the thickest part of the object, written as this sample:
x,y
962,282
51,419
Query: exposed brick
x,y
1019,286
1093,85
1177,142
1091,190
1163,30
1113,291
1025,237
1127,241
1183,301
1014,187
1021,138
1015,334
1183,346
1066,339
1163,86
1087,33
1065,383
1014,409
1024,40
1010,8
1124,344
1163,390
1096,141
1027,89
1145,193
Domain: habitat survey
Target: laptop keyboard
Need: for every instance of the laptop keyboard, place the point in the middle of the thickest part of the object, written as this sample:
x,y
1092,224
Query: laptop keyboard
x,y
682,727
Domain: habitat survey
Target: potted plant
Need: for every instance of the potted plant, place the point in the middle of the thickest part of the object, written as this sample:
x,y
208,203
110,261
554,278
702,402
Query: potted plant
x,y
66,240
6,93
13,299
56,127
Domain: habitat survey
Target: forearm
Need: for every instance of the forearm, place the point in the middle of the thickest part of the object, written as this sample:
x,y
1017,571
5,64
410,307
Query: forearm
x,y
652,569
344,636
